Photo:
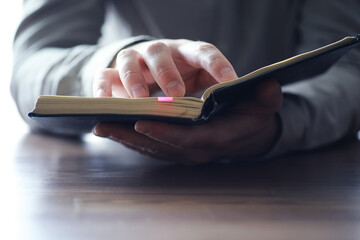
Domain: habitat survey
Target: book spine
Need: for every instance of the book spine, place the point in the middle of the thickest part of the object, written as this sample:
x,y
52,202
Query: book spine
x,y
209,108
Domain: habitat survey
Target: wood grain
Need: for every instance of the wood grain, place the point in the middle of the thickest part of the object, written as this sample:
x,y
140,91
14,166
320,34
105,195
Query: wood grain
x,y
95,189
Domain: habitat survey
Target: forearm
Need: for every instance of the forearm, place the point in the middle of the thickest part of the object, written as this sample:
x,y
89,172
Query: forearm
x,y
324,109
320,111
56,51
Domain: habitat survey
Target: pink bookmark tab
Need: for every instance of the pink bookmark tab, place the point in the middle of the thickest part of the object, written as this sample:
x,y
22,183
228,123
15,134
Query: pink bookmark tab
x,y
165,99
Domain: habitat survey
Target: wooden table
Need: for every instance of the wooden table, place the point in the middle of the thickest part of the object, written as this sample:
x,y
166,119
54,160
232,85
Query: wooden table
x,y
96,189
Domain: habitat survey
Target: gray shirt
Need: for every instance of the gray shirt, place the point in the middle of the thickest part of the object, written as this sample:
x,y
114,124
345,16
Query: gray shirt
x,y
61,44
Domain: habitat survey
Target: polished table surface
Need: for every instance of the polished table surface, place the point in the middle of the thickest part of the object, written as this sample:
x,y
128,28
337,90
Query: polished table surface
x,y
94,188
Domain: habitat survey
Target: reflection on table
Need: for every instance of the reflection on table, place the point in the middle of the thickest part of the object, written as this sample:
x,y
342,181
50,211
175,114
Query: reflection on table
x,y
93,188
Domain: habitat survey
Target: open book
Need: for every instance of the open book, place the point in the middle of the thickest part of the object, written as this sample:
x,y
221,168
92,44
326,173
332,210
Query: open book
x,y
81,113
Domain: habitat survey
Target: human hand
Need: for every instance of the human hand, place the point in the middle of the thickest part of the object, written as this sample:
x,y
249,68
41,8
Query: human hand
x,y
247,129
177,67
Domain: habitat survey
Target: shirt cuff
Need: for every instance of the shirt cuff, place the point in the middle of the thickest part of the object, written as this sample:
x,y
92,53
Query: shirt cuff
x,y
102,59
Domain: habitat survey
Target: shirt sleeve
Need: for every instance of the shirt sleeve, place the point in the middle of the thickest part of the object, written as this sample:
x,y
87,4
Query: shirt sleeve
x,y
324,109
56,50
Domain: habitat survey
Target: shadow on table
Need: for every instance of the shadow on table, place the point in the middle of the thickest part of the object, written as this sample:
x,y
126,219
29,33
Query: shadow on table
x,y
103,163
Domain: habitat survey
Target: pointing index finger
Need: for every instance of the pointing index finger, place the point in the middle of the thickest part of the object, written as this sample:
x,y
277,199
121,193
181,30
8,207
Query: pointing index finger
x,y
158,58
208,57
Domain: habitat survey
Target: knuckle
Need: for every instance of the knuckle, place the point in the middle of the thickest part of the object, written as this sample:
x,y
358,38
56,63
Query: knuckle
x,y
212,58
165,73
124,53
127,75
214,61
156,48
205,47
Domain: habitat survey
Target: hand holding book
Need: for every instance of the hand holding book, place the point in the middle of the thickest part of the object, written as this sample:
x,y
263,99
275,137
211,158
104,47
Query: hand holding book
x,y
177,67
247,129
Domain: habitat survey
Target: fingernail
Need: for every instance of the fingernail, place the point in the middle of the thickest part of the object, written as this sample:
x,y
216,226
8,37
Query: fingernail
x,y
138,90
100,92
227,73
142,128
175,89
